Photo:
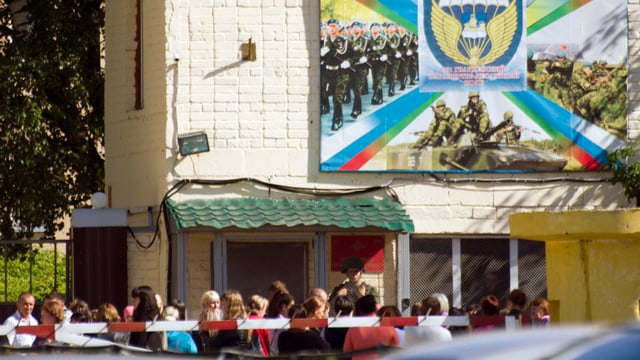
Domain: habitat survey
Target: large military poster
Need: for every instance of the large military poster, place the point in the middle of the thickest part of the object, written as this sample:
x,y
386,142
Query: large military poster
x,y
472,85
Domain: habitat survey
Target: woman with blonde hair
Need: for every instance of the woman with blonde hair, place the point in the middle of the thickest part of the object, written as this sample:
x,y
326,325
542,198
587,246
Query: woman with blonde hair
x,y
52,313
316,307
539,308
108,313
210,302
258,338
232,306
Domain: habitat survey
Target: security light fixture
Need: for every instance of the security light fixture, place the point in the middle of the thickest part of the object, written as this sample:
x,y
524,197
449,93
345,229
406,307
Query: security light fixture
x,y
193,143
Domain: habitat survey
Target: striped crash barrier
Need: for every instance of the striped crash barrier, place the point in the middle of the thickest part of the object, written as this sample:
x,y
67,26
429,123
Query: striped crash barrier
x,y
73,334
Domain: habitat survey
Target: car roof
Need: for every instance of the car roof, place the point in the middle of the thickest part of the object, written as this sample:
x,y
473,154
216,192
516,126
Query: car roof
x,y
523,344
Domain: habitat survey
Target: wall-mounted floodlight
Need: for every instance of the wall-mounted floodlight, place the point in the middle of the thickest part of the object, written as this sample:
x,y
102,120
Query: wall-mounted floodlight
x,y
193,143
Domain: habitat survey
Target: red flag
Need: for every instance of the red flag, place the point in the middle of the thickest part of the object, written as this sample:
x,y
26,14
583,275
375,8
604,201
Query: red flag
x,y
369,248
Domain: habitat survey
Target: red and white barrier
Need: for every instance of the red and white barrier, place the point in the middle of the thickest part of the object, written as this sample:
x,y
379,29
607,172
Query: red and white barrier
x,y
73,333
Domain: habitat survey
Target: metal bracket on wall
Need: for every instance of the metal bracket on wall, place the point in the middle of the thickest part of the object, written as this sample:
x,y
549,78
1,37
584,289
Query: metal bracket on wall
x,y
248,51
150,226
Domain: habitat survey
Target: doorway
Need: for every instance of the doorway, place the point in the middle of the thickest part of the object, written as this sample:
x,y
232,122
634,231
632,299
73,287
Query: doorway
x,y
252,266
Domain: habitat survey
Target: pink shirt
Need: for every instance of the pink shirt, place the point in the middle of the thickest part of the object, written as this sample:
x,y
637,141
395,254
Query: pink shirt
x,y
359,338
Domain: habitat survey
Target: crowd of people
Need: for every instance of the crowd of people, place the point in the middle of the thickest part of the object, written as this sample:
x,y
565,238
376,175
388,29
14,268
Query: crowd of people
x,y
353,297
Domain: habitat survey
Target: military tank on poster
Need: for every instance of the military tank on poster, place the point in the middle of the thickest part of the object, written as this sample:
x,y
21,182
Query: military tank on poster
x,y
472,154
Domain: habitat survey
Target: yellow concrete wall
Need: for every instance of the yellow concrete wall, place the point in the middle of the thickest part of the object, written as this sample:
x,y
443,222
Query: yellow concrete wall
x,y
148,267
594,280
592,262
135,139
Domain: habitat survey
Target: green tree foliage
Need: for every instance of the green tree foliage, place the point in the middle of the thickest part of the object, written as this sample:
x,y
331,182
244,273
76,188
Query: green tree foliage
x,y
51,112
625,166
40,264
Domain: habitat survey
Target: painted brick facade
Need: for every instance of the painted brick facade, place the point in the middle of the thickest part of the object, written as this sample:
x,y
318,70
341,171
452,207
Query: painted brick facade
x,y
262,119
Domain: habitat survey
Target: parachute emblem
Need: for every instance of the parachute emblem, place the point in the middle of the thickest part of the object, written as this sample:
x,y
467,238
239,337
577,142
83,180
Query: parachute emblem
x,y
470,39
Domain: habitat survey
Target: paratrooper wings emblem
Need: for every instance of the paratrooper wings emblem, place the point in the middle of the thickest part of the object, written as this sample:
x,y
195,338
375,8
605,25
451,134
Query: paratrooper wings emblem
x,y
473,32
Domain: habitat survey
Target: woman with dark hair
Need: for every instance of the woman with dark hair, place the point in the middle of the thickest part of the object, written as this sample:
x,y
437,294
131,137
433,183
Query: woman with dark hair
x,y
147,310
489,306
79,306
342,307
294,340
364,342
278,308
275,288
393,311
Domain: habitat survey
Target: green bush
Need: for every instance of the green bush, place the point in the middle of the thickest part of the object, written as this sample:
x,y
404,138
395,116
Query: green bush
x,y
625,165
17,276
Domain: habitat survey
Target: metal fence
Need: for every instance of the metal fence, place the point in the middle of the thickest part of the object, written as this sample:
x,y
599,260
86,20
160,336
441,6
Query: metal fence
x,y
43,266
484,267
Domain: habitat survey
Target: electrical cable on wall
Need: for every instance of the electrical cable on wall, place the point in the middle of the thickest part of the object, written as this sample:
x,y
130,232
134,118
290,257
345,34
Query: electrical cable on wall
x,y
337,192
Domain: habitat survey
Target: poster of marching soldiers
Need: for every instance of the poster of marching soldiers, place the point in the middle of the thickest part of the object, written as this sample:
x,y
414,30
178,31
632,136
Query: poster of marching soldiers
x,y
472,85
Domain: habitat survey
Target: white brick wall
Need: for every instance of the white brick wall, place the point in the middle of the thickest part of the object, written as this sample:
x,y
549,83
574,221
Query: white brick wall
x,y
633,83
262,116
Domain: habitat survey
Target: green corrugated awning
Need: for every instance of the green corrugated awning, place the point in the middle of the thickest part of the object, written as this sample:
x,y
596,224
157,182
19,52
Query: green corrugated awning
x,y
252,213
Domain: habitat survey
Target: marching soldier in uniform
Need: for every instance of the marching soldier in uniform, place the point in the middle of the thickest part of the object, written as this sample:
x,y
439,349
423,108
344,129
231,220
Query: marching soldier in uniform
x,y
334,72
324,100
345,32
404,49
412,52
378,59
473,117
440,129
394,56
358,49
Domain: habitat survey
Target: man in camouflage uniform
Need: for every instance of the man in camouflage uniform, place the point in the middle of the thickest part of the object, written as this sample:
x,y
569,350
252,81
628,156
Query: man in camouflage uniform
x,y
358,45
540,76
561,70
334,72
378,59
393,55
509,132
600,68
606,103
583,83
531,70
473,117
440,129
614,114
